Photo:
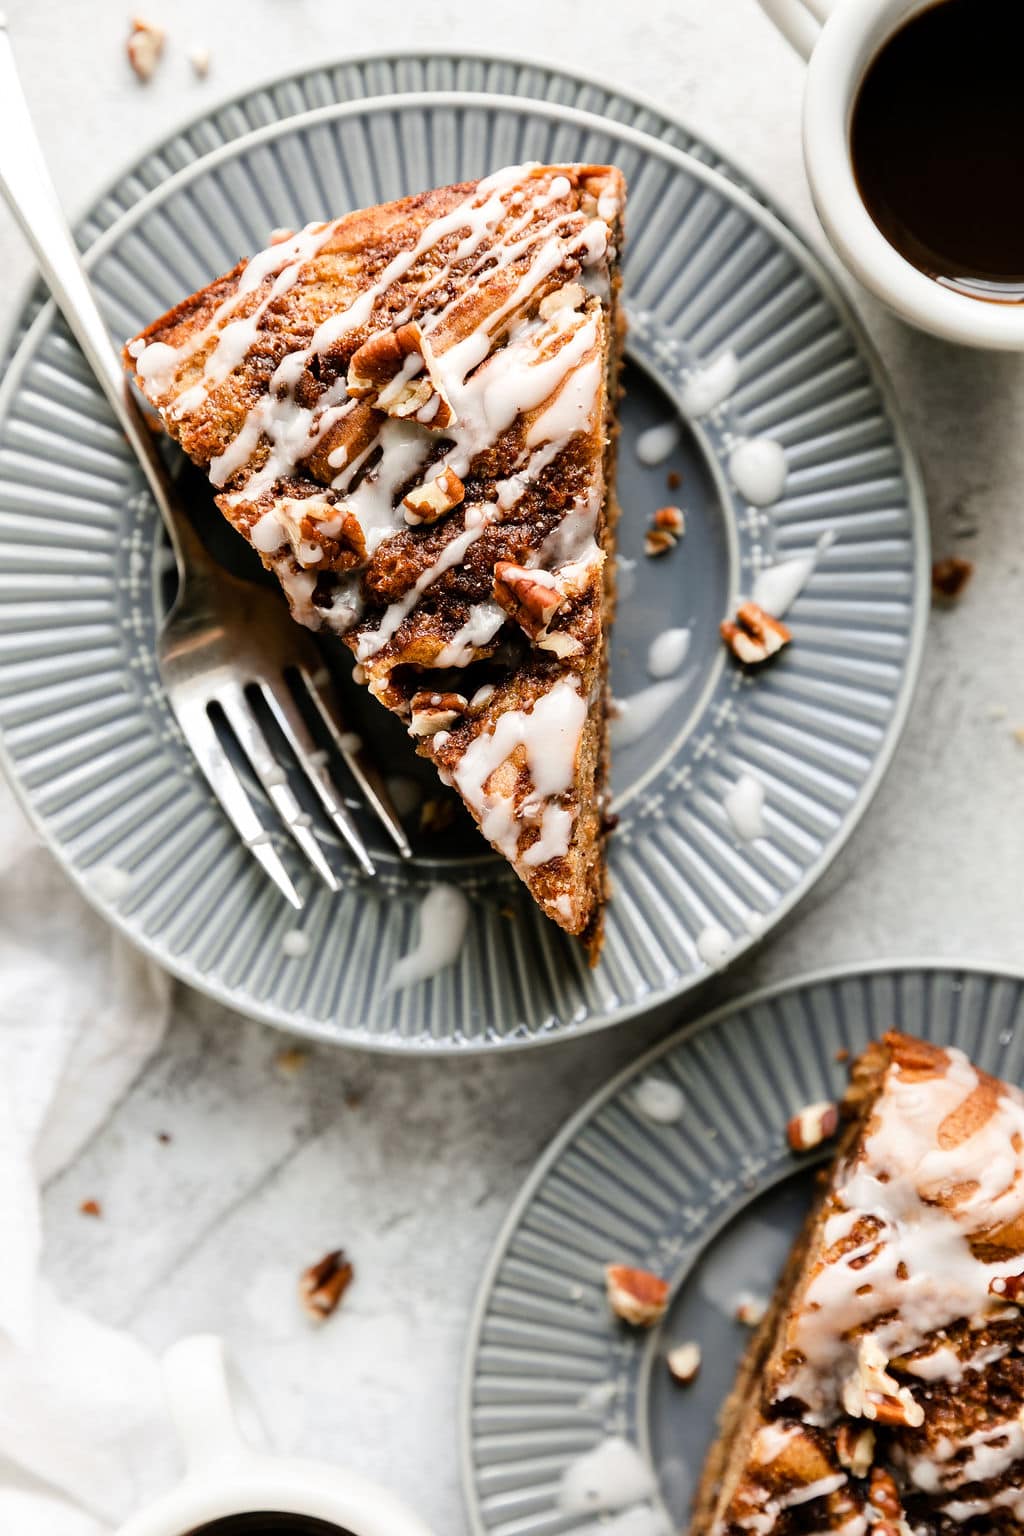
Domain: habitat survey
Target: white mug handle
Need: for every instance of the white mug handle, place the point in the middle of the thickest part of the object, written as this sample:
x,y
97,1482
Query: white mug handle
x,y
196,1388
799,21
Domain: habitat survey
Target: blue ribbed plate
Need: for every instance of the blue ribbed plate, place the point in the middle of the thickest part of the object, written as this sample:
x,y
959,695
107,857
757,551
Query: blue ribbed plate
x,y
710,1201
89,741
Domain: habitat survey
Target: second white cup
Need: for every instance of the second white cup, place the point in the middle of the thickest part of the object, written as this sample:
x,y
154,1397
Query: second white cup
x,y
225,1476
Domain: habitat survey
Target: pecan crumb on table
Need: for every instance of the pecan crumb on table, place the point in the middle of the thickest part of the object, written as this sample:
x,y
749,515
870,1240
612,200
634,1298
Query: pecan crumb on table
x,y
950,576
322,1286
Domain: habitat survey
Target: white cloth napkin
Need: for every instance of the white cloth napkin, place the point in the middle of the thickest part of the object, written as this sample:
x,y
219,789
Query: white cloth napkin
x,y
82,1425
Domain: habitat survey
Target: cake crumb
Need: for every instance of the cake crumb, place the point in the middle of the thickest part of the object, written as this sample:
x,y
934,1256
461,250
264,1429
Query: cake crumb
x,y
842,1054
91,1208
199,58
749,1309
754,636
291,1060
684,1362
145,45
164,1138
673,479
668,526
950,576
322,1285
638,1296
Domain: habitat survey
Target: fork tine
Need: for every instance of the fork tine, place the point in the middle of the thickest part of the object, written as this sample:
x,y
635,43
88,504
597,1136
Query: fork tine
x,y
272,776
318,685
281,703
220,774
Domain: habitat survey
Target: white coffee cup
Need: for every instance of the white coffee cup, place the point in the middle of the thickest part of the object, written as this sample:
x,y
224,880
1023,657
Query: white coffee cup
x,y
839,38
226,1476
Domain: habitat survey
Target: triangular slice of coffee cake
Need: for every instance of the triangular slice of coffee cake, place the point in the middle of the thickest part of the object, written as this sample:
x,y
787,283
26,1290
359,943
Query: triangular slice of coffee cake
x,y
884,1392
409,413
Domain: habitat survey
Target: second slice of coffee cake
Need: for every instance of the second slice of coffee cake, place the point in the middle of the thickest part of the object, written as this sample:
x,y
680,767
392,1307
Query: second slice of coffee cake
x,y
884,1392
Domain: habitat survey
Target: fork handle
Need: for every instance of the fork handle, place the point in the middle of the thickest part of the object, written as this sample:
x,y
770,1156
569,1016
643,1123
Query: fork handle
x,y
26,184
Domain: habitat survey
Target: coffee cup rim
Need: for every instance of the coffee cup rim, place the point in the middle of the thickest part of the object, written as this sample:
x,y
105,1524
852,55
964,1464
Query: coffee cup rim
x,y
276,1485
849,40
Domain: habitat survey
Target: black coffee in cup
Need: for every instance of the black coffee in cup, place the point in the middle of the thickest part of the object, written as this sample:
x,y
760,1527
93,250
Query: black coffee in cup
x,y
937,141
267,1523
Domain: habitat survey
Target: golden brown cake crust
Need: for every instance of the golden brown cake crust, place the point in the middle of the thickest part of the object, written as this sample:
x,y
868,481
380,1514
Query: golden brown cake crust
x,y
410,414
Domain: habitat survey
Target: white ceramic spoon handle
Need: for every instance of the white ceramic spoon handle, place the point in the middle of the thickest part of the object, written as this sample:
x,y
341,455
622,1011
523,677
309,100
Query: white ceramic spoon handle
x,y
799,21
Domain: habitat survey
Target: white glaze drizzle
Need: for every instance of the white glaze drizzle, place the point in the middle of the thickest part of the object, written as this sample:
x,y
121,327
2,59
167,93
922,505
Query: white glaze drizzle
x,y
485,619
962,1510
777,587
656,444
993,1449
771,1439
109,882
295,944
744,806
757,468
929,1196
549,735
667,652
452,554
808,1491
659,1100
641,711
769,1443
611,1476
710,386
443,920
713,943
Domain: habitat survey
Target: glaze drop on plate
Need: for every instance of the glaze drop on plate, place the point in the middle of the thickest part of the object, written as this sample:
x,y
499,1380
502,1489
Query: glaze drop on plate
x,y
667,652
599,1395
778,586
654,446
642,710
443,919
710,386
625,576
713,943
109,882
612,1475
659,1100
744,805
757,468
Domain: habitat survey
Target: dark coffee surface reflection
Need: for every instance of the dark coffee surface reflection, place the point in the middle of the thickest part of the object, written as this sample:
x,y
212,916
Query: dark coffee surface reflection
x,y
268,1523
937,139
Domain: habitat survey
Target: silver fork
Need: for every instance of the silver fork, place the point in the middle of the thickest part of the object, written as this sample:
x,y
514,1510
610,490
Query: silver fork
x,y
224,640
